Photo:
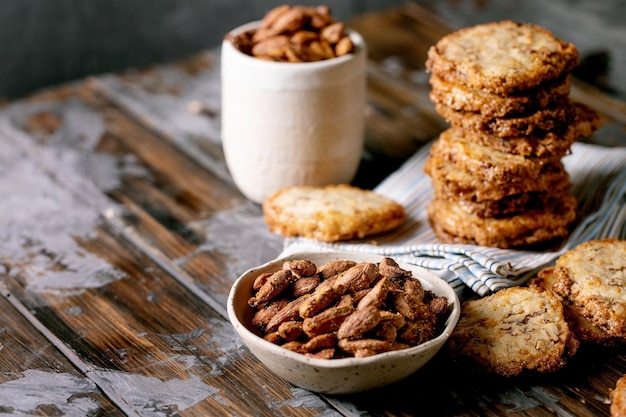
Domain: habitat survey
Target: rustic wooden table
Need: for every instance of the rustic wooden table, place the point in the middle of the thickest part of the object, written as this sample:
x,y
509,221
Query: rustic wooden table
x,y
121,233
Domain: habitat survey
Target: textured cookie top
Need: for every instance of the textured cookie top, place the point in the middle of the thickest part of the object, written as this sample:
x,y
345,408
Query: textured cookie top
x,y
501,57
511,204
584,329
555,118
459,97
453,183
515,330
593,277
485,162
331,213
551,143
453,224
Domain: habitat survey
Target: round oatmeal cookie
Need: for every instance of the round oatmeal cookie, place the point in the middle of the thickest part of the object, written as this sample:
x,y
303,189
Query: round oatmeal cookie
x,y
585,331
512,204
592,277
556,118
452,224
451,183
459,97
484,162
542,144
331,213
513,331
503,57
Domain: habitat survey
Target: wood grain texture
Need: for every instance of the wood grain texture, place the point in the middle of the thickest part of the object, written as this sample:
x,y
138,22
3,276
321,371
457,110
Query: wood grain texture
x,y
35,377
128,319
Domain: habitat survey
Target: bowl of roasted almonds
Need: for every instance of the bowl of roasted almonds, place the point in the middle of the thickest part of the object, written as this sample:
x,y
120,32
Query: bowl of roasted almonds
x,y
337,323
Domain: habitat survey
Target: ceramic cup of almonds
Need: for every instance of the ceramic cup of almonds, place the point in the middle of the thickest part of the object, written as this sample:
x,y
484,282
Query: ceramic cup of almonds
x,y
293,101
340,323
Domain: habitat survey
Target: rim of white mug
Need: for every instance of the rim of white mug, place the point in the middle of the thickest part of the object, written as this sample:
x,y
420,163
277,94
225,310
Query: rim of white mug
x,y
357,40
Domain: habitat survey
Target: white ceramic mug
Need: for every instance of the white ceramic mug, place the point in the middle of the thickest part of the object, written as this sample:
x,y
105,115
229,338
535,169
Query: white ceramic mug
x,y
287,124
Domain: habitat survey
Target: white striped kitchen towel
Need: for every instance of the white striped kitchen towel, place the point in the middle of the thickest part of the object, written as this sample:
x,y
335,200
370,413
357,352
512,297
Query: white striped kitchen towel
x,y
598,175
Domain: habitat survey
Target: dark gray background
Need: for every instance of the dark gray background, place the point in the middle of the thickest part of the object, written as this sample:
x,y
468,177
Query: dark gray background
x,y
47,42
44,42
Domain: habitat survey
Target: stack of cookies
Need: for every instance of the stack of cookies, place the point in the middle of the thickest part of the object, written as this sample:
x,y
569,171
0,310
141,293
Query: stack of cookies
x,y
497,172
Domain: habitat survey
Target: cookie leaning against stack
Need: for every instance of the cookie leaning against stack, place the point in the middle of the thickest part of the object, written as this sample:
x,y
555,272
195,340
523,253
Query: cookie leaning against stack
x,y
497,171
591,282
539,327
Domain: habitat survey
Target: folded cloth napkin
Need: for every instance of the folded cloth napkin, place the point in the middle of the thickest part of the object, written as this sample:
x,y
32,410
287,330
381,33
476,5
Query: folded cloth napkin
x,y
598,176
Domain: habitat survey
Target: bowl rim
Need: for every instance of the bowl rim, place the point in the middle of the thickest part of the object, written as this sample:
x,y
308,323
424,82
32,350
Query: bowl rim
x,y
450,323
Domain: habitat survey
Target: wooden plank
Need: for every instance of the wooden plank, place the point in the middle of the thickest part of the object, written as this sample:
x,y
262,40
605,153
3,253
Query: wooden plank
x,y
141,336
203,225
148,342
36,378
159,339
400,118
199,222
401,34
180,101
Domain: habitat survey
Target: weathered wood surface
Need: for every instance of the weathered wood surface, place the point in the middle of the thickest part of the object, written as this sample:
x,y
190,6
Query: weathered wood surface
x,y
121,233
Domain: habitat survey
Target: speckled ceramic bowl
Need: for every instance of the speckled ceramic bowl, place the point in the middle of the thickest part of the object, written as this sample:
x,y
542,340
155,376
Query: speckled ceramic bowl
x,y
337,376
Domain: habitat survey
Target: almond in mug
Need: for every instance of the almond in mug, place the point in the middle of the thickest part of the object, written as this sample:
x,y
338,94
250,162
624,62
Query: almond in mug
x,y
298,122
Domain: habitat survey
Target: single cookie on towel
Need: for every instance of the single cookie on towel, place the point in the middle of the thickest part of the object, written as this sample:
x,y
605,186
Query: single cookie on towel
x,y
331,213
543,144
501,57
459,97
484,162
452,224
592,277
556,118
452,183
585,330
513,331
